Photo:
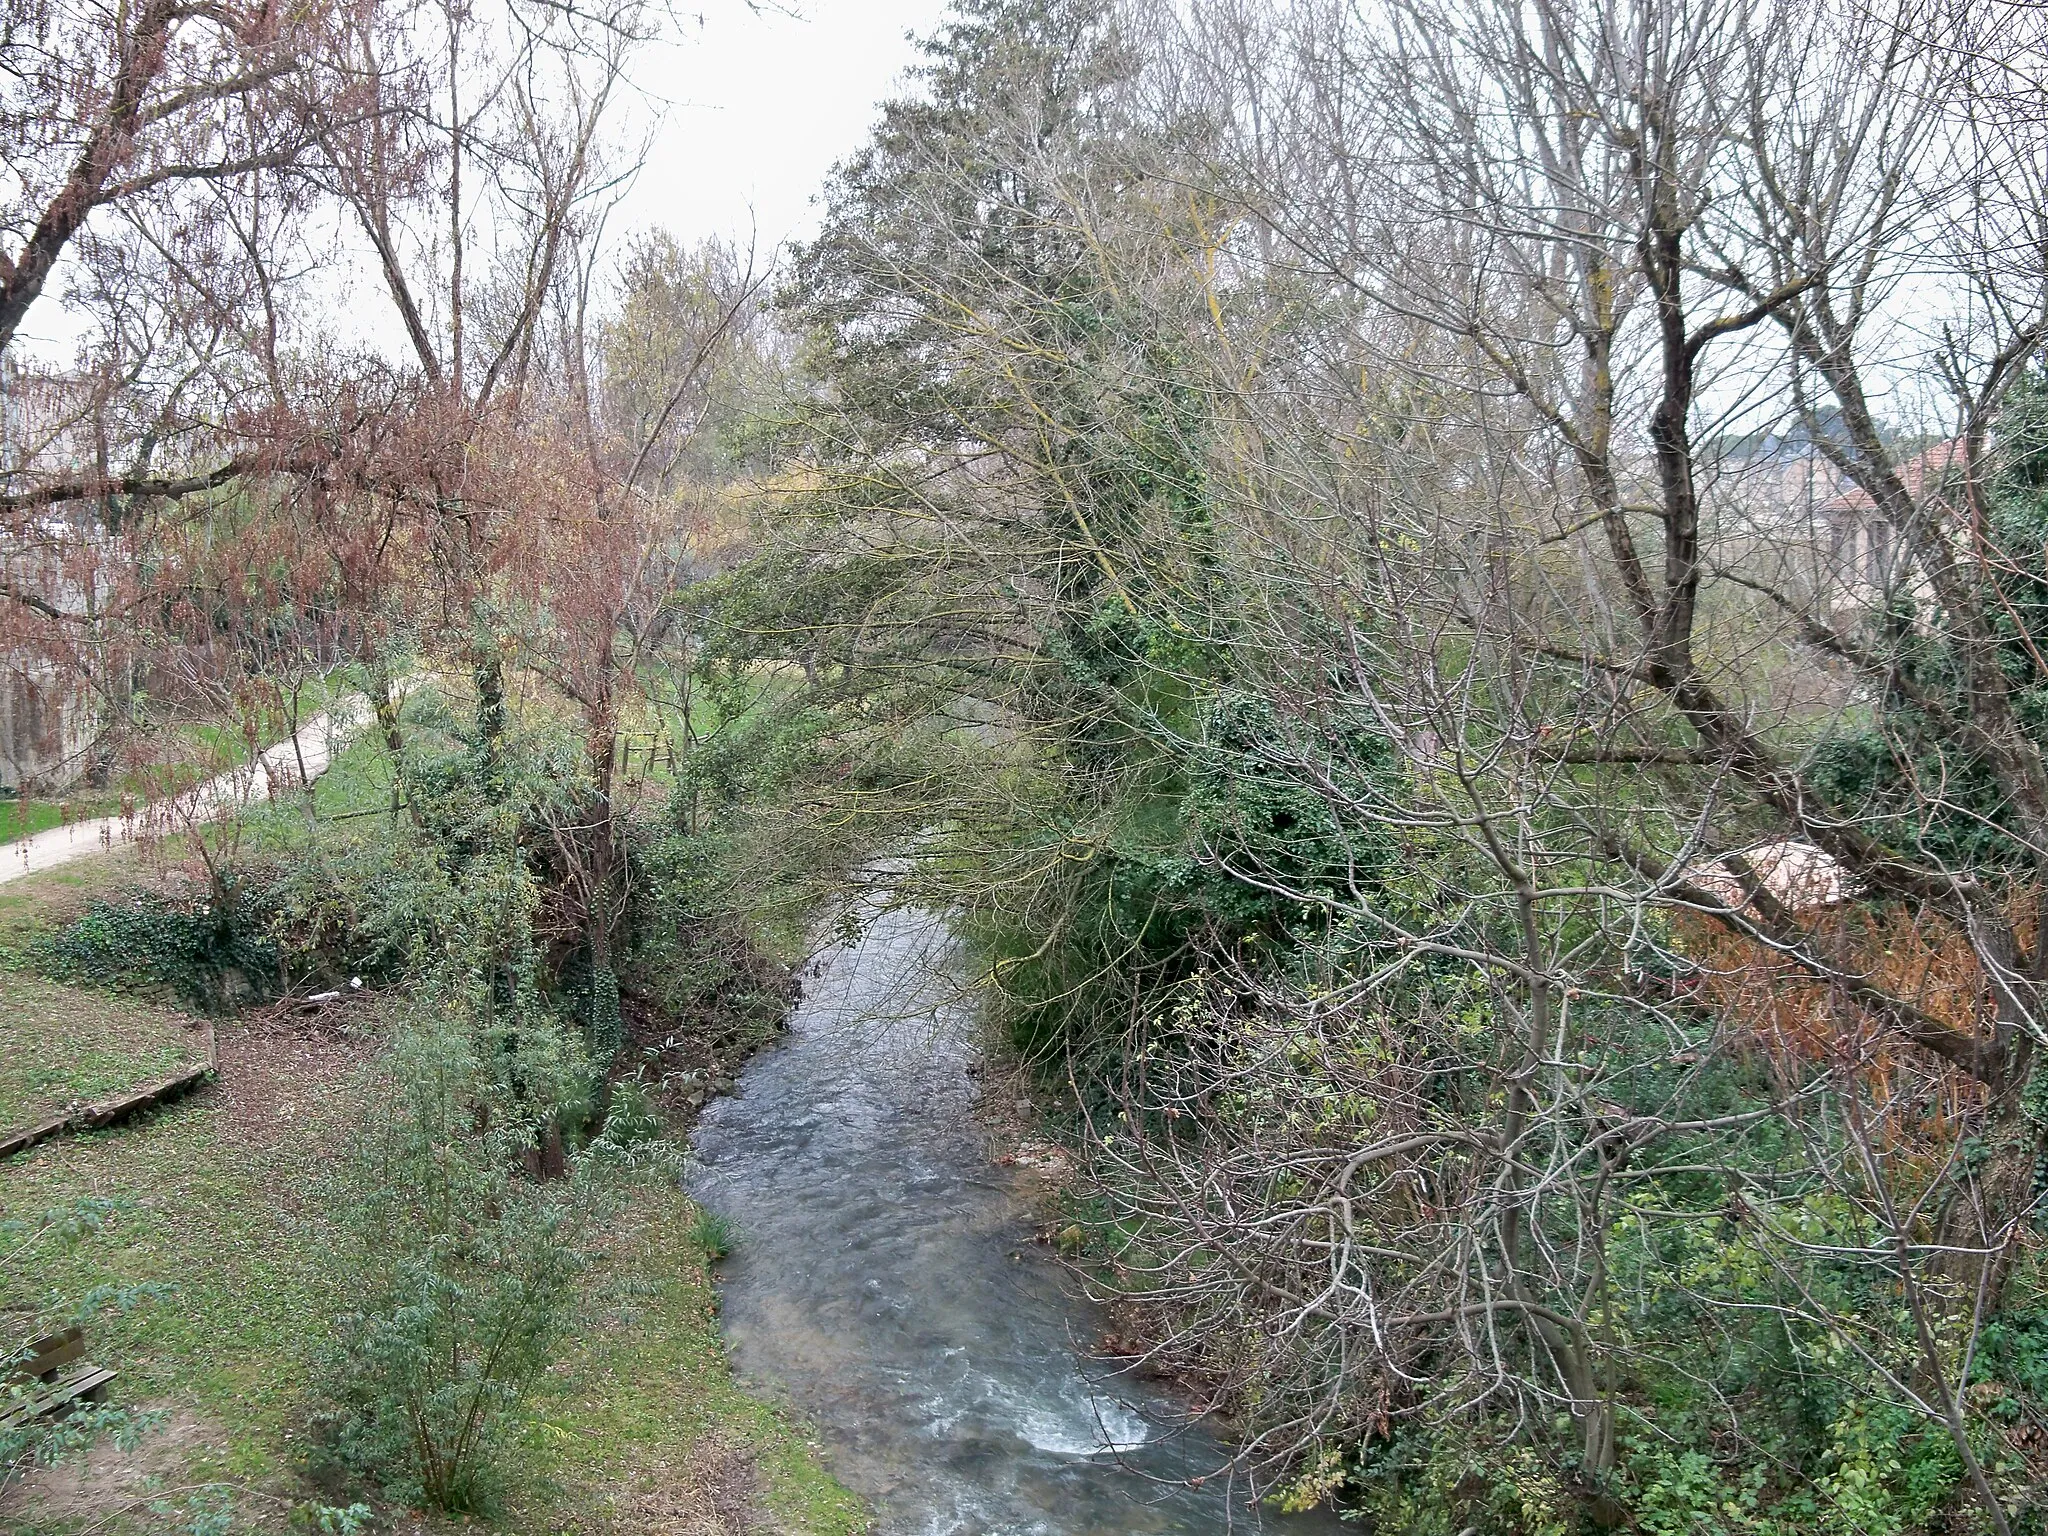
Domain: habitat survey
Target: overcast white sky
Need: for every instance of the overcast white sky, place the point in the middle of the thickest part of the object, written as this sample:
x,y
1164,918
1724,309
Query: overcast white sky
x,y
753,106
760,104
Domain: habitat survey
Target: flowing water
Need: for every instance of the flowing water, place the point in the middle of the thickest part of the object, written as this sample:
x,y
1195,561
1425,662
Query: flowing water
x,y
884,1279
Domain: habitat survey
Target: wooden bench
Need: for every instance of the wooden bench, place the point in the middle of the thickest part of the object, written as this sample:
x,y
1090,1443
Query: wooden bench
x,y
57,1376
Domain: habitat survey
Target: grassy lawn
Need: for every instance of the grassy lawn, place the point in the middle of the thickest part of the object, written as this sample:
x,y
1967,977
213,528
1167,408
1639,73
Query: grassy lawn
x,y
646,1396
60,1048
21,818
220,1204
209,1195
640,1428
48,899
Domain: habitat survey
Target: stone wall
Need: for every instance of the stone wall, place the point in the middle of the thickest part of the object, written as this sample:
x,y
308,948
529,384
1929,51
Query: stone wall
x,y
45,728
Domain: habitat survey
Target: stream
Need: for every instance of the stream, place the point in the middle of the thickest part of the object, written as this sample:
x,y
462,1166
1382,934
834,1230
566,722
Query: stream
x,y
884,1280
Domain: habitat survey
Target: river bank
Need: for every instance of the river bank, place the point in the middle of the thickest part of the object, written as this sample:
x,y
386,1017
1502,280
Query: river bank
x,y
217,1205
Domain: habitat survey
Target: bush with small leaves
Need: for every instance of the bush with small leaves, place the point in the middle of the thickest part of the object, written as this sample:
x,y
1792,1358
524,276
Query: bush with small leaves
x,y
462,1273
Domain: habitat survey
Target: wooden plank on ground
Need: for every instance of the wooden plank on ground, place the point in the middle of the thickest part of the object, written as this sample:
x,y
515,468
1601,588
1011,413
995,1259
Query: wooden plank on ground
x,y
21,1140
95,1117
107,1112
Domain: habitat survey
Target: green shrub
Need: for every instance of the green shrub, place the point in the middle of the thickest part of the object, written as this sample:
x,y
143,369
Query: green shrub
x,y
462,1274
208,956
631,1121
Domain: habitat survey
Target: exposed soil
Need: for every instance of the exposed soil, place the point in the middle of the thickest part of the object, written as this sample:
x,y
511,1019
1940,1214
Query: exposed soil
x,y
108,1480
1010,1117
715,1491
280,1065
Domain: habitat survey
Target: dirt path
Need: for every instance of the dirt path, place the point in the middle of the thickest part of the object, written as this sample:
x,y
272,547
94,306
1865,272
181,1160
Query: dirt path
x,y
276,767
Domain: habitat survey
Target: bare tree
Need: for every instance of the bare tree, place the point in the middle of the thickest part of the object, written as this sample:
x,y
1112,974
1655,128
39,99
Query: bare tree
x,y
1324,481
111,105
1560,256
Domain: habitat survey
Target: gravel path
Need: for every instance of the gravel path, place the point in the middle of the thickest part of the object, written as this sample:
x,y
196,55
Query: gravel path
x,y
276,768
